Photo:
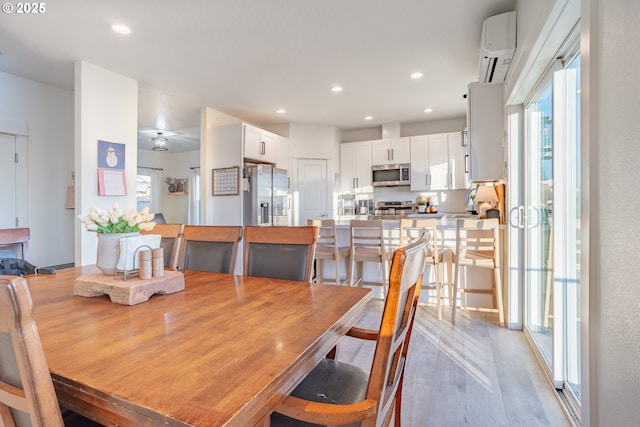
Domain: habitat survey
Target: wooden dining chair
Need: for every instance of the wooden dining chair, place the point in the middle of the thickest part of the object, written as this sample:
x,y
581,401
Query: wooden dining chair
x,y
170,240
336,393
27,395
211,248
410,231
279,252
14,242
478,245
327,248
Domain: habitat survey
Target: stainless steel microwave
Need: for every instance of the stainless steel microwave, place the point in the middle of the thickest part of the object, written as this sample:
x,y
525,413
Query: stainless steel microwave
x,y
390,175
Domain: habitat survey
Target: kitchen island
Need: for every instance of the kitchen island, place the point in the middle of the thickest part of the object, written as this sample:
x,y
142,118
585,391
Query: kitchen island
x,y
481,278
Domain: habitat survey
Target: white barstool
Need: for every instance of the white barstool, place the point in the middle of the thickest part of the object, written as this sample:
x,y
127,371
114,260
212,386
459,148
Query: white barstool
x,y
478,245
410,231
368,245
327,249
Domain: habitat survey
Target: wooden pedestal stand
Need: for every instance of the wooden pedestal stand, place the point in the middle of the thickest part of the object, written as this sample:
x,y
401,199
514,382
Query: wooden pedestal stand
x,y
130,292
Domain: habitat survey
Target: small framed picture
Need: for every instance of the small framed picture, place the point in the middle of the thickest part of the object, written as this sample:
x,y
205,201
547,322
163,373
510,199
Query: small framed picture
x,y
181,185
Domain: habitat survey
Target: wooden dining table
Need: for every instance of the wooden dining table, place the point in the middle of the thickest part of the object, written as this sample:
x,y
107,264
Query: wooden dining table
x,y
222,352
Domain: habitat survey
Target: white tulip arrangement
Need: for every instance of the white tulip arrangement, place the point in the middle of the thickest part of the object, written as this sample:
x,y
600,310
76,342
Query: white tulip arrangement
x,y
116,220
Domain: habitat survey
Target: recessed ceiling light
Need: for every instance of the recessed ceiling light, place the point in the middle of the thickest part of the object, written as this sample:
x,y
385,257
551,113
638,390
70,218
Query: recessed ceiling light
x,y
336,89
428,110
121,29
368,118
281,111
416,75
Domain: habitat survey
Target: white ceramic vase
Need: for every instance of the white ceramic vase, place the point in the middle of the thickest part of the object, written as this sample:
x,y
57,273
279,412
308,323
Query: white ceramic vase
x,y
109,251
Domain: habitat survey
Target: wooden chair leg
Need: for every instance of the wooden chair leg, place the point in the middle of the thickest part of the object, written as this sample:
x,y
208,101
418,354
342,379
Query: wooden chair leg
x,y
347,261
385,275
498,281
337,261
450,265
454,293
352,273
439,292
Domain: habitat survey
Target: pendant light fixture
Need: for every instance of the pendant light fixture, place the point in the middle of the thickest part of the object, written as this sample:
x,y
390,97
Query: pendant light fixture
x,y
159,142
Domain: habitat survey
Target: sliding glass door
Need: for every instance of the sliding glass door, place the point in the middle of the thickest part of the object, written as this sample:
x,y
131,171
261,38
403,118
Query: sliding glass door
x,y
550,223
539,213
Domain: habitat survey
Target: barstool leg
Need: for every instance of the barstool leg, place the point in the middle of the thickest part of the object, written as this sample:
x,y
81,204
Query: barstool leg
x,y
437,272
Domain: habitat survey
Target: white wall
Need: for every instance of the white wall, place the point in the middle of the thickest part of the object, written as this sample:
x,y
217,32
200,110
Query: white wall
x,y
436,126
177,164
610,129
48,113
367,134
106,108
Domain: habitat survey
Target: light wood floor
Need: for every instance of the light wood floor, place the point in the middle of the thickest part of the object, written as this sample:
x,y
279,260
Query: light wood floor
x,y
474,373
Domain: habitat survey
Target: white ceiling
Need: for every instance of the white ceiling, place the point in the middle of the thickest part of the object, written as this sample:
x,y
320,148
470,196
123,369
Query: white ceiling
x,y
247,58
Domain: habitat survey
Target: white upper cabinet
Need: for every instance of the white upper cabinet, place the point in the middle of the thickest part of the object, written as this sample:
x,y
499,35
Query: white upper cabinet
x,y
485,131
391,151
458,161
438,162
259,145
355,166
429,162
282,152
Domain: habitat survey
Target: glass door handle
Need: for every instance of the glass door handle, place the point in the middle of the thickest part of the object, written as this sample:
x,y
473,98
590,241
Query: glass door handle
x,y
524,217
516,217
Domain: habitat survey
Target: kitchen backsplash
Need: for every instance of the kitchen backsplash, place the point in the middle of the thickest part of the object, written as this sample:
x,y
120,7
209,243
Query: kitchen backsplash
x,y
447,201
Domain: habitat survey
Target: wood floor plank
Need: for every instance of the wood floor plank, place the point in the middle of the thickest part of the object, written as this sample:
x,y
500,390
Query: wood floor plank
x,y
472,373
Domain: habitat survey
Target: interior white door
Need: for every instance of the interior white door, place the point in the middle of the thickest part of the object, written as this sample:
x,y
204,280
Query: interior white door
x,y
8,212
312,189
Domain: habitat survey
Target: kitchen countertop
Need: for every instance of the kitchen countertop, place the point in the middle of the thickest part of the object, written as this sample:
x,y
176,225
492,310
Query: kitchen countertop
x,y
446,219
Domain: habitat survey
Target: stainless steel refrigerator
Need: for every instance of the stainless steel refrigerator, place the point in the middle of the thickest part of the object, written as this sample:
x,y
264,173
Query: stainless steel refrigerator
x,y
266,201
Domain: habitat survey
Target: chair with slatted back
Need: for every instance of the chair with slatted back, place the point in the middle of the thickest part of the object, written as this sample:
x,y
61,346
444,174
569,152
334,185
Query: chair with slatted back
x,y
337,393
368,244
478,245
27,396
279,252
170,240
14,242
327,248
410,231
211,248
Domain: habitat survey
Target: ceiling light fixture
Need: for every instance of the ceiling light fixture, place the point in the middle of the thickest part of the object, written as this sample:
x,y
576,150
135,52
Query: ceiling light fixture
x,y
416,75
428,110
159,143
368,118
336,89
281,111
121,29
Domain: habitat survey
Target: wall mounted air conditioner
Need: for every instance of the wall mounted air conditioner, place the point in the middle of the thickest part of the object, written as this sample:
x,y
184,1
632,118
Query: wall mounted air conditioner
x,y
497,46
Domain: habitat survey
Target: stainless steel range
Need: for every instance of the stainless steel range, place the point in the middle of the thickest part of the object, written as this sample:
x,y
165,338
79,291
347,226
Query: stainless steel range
x,y
392,210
